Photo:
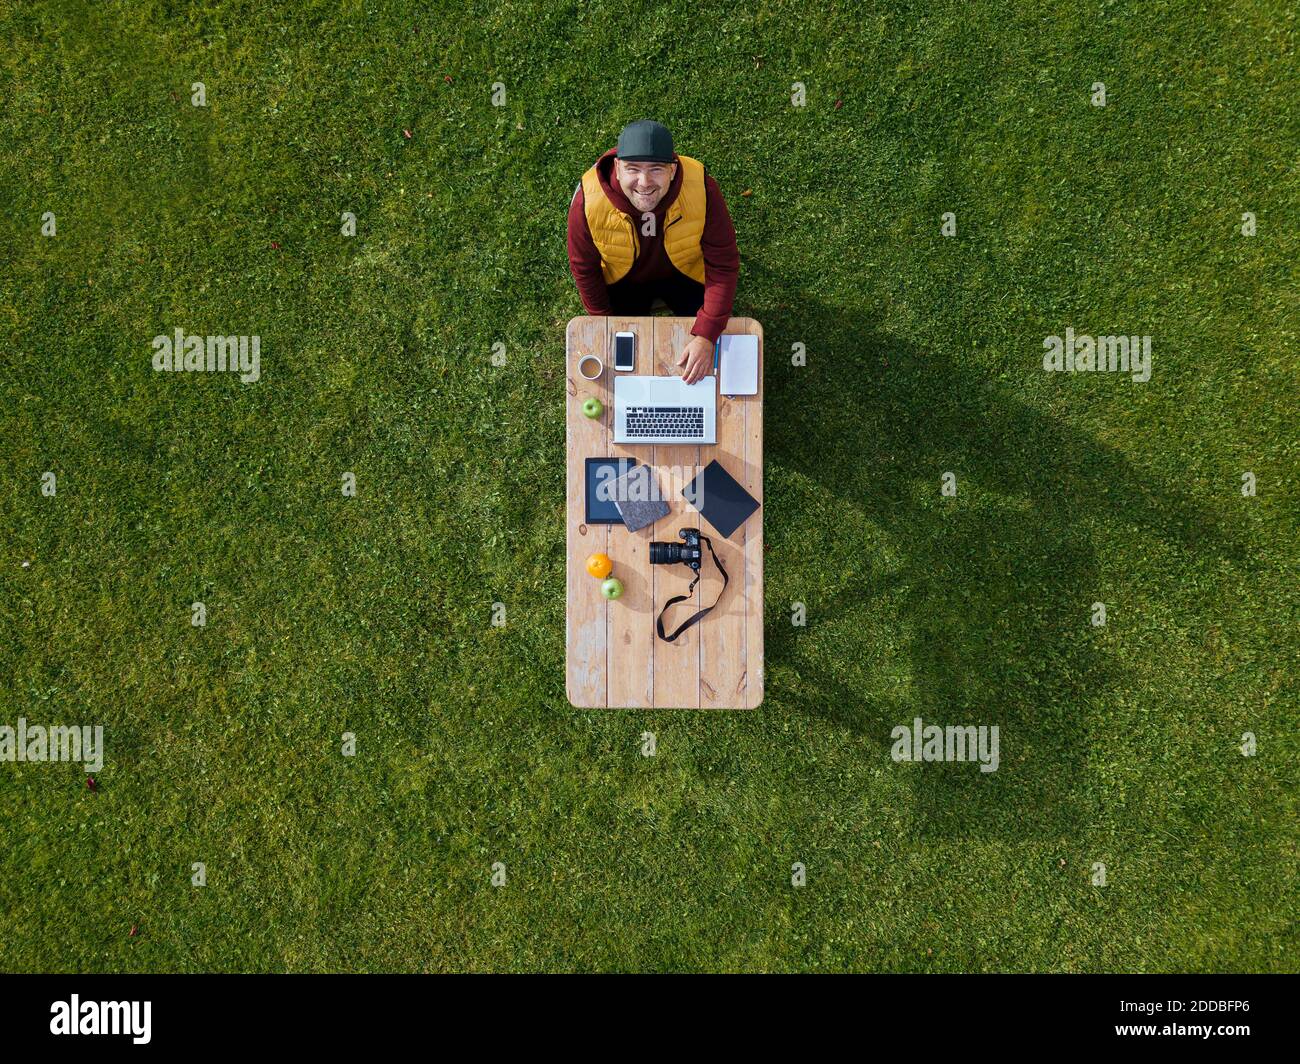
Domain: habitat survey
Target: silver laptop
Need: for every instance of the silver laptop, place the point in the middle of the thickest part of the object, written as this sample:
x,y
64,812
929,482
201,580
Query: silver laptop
x,y
665,410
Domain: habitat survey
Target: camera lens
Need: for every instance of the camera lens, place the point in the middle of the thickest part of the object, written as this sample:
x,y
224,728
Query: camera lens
x,y
665,553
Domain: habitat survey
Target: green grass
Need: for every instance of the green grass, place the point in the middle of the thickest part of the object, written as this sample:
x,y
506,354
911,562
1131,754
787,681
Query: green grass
x,y
372,615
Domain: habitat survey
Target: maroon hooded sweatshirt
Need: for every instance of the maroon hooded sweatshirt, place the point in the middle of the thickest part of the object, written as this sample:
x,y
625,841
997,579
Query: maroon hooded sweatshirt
x,y
718,243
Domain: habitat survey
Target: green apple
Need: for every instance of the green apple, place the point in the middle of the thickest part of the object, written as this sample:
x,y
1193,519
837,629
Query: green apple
x,y
612,588
592,407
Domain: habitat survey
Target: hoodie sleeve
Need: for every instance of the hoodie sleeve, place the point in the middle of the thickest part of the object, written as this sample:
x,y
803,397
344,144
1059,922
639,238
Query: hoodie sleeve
x,y
721,265
584,259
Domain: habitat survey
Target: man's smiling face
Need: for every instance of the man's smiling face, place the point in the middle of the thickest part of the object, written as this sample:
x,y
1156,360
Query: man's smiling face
x,y
644,184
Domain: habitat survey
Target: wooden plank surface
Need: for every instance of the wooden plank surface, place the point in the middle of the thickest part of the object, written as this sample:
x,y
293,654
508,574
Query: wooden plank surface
x,y
585,612
723,663
613,656
630,658
750,476
676,664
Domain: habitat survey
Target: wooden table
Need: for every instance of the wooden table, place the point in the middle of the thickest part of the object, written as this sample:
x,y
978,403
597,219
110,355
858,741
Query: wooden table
x,y
614,658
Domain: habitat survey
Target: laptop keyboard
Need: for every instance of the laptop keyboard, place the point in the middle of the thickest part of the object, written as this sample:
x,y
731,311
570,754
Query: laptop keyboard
x,y
651,421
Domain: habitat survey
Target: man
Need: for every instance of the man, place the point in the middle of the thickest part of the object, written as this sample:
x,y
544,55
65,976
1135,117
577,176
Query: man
x,y
645,222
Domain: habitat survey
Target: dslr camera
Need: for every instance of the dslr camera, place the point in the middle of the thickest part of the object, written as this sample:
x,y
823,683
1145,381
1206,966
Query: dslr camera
x,y
687,552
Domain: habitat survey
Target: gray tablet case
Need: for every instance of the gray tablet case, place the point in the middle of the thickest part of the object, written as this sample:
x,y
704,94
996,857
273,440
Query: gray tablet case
x,y
636,494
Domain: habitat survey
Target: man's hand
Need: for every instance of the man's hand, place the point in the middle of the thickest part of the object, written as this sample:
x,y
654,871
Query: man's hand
x,y
697,358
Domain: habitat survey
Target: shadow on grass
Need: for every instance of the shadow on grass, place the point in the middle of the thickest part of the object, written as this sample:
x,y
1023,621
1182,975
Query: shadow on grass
x,y
990,592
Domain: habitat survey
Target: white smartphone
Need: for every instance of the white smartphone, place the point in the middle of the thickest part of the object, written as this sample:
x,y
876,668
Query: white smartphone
x,y
625,352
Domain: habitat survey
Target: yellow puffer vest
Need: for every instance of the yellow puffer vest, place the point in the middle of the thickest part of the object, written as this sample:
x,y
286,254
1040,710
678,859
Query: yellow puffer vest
x,y
615,234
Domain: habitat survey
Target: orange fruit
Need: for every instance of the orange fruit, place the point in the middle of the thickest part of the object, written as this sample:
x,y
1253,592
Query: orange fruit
x,y
599,566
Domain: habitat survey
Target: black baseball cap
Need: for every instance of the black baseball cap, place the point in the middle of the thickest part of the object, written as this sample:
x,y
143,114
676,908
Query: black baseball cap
x,y
645,142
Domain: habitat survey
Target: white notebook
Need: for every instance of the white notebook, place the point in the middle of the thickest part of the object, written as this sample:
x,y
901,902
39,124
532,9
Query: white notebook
x,y
738,365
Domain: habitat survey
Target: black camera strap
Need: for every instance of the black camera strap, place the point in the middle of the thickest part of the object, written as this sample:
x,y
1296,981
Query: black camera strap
x,y
659,621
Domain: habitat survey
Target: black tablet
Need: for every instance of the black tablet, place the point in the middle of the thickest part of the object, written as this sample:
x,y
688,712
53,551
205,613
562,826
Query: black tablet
x,y
720,498
601,474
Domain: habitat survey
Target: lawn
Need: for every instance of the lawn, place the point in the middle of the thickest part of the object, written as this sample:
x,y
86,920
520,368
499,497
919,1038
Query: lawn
x,y
328,613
